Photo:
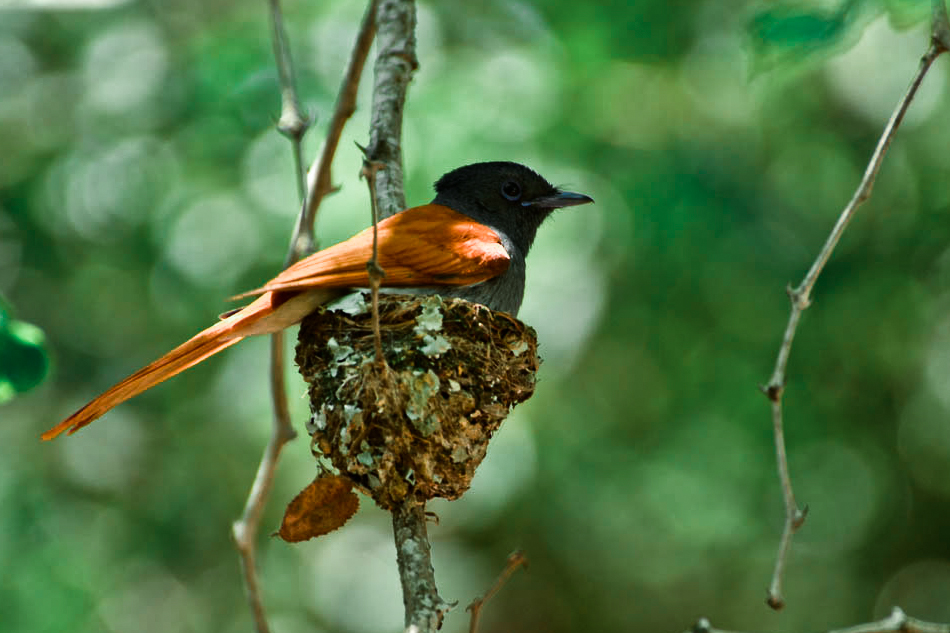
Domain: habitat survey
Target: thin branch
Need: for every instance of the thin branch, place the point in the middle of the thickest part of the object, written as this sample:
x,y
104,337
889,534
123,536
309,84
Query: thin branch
x,y
801,298
515,561
395,63
376,273
319,183
896,622
244,531
293,125
424,607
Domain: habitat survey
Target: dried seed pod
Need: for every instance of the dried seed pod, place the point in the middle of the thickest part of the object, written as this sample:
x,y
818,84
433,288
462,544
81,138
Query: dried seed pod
x,y
420,424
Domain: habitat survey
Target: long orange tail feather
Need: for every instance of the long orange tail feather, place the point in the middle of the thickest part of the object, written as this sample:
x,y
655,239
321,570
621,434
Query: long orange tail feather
x,y
221,335
176,361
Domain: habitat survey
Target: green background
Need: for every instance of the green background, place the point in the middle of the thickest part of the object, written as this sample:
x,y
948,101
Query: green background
x,y
142,183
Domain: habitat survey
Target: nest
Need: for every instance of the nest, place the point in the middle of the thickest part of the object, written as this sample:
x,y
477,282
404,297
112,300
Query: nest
x,y
419,424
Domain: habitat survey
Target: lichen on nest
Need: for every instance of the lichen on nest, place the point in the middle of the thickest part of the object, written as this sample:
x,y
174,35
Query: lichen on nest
x,y
420,424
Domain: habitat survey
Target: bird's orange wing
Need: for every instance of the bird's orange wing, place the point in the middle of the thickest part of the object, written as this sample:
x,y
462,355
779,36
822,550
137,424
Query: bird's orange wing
x,y
429,245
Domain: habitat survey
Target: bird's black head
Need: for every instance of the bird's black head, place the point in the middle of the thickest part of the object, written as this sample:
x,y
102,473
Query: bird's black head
x,y
506,196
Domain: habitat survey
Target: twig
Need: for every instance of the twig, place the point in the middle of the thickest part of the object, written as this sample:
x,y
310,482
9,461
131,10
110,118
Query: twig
x,y
244,530
376,273
395,63
424,607
319,183
515,560
896,622
801,299
293,125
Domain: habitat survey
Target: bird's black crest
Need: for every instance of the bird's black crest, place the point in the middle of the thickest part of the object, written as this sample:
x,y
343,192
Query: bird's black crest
x,y
478,172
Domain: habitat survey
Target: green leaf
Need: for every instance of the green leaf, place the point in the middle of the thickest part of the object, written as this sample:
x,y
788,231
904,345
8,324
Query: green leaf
x,y
794,32
24,361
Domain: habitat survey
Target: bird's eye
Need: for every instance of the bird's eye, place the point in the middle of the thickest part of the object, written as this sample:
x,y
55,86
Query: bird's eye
x,y
511,190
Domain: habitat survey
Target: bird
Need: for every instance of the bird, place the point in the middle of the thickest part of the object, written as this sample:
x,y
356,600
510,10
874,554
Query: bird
x,y
470,242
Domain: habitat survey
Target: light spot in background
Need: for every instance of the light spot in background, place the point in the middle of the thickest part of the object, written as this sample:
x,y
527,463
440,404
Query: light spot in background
x,y
17,64
124,67
873,75
508,469
48,125
664,516
428,43
715,75
107,191
214,241
118,312
937,368
108,459
78,529
636,105
150,599
923,436
62,4
515,94
103,192
11,250
331,40
566,297
920,589
703,502
841,486
812,164
268,175
509,97
565,288
352,581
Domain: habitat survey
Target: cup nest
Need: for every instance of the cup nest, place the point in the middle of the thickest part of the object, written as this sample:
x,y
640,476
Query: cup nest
x,y
420,423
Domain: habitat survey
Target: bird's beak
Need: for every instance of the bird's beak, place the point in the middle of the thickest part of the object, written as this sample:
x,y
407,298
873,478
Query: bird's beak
x,y
558,200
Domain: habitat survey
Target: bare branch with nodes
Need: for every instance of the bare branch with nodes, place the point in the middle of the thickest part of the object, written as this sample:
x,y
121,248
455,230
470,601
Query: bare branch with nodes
x,y
800,297
896,622
293,124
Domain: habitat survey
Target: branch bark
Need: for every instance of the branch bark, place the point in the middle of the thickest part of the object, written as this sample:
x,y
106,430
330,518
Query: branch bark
x,y
801,298
424,607
395,63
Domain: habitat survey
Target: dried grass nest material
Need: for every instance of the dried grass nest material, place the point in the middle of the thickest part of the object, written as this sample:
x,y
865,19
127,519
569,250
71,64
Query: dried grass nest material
x,y
419,425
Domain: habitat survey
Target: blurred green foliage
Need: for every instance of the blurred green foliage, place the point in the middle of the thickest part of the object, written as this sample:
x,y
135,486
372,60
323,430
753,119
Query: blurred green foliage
x,y
142,183
24,360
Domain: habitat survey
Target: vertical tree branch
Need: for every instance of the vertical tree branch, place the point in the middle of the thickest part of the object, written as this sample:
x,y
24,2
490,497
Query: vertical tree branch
x,y
424,607
801,297
319,183
395,63
293,125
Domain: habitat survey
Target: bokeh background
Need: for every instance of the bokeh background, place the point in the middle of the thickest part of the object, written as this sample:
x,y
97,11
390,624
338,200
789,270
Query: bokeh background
x,y
142,183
